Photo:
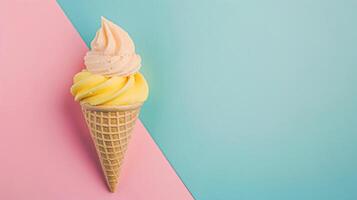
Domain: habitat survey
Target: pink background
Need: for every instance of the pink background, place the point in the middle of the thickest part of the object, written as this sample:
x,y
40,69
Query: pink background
x,y
45,148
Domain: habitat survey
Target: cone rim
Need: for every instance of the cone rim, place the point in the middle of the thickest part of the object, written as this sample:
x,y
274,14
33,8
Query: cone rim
x,y
111,108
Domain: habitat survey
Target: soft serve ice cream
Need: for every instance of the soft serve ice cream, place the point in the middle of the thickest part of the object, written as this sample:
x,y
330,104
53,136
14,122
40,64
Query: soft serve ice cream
x,y
111,91
111,77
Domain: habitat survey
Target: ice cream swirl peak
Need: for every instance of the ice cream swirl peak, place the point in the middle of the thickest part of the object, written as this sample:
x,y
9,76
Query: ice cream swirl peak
x,y
112,52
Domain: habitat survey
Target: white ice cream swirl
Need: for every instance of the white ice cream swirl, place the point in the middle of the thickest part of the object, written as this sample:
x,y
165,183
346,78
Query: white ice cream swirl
x,y
112,52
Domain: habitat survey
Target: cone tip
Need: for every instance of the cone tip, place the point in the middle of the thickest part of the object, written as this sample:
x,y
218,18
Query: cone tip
x,y
112,188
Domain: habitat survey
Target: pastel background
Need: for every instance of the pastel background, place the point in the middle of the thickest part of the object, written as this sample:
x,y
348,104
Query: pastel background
x,y
249,100
45,149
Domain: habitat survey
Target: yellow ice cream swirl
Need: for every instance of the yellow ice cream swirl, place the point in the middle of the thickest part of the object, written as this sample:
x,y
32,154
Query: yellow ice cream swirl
x,y
111,77
101,90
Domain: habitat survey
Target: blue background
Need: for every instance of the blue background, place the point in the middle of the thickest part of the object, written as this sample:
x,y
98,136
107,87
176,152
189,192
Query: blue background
x,y
249,99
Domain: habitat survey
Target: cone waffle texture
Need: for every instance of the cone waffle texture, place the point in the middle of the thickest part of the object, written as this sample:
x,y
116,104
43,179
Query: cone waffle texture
x,y
111,129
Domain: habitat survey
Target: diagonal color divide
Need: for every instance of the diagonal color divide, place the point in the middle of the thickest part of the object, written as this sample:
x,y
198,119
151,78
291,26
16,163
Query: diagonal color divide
x,y
249,99
45,149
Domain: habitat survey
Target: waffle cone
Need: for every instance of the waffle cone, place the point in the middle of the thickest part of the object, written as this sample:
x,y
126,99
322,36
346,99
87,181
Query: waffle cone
x,y
111,128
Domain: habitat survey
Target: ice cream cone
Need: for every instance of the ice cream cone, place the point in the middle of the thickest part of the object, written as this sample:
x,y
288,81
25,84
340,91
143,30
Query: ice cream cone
x,y
111,91
111,128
